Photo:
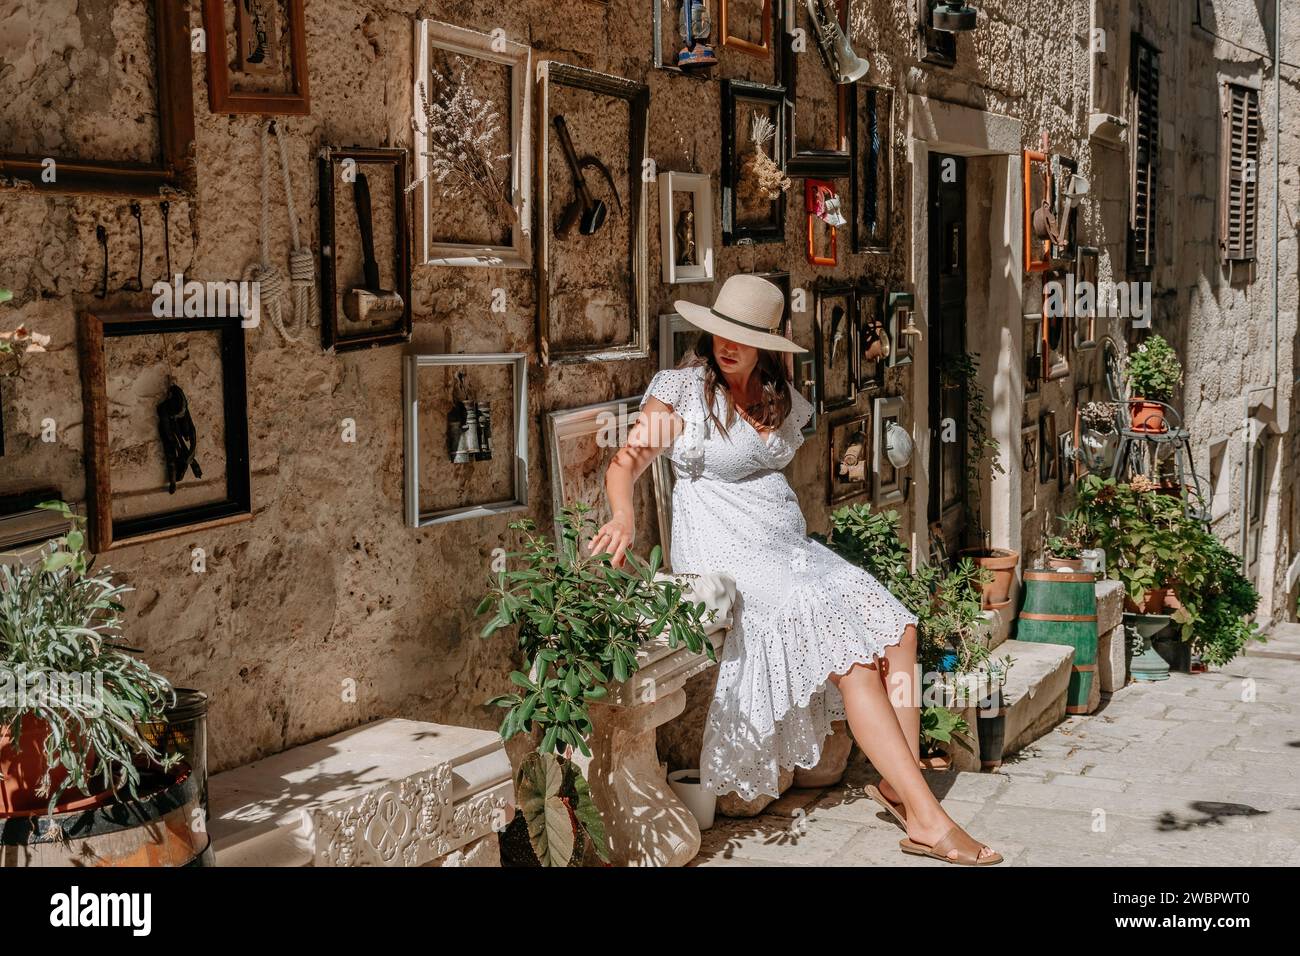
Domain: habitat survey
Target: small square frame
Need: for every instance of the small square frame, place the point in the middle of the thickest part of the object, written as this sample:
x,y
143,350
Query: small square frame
x,y
105,532
411,365
761,49
700,186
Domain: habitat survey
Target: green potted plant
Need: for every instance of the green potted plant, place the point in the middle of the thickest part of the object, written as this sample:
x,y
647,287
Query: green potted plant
x,y
1154,375
962,372
73,698
1143,535
1072,550
578,622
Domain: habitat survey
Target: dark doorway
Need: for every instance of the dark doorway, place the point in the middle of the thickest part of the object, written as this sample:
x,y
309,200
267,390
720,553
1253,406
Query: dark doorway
x,y
947,294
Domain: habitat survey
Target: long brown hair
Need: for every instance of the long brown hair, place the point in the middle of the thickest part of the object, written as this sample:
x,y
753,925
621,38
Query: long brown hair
x,y
774,401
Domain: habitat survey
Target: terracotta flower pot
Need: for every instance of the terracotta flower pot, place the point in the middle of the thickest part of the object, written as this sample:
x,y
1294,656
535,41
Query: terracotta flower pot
x,y
1154,601
1002,562
1148,417
23,765
1069,564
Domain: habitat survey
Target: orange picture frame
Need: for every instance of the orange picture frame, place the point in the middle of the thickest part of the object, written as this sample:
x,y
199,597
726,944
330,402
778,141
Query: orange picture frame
x,y
1043,260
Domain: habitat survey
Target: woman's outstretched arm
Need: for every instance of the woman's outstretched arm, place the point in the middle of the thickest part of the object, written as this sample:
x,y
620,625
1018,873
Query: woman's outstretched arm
x,y
655,430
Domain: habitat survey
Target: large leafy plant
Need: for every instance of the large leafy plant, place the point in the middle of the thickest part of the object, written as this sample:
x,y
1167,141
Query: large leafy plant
x,y
579,622
62,662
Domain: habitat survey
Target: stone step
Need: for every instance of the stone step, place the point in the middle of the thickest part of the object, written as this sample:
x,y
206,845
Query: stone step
x,y
1033,697
391,793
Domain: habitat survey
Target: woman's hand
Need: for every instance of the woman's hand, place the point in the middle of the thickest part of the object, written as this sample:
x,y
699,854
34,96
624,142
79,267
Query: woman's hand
x,y
615,536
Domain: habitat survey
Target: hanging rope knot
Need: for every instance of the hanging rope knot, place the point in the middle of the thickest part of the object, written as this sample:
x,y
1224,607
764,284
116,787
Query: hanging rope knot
x,y
302,272
302,266
271,283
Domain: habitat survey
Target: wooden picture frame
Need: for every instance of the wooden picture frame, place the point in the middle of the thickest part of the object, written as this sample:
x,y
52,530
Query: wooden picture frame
x,y
811,188
1086,269
872,174
902,316
887,483
636,96
170,171
1037,189
222,98
1048,463
700,188
848,473
735,94
757,47
835,345
676,340
805,380
1032,331
517,58
1056,343
334,164
105,532
874,345
416,516
833,163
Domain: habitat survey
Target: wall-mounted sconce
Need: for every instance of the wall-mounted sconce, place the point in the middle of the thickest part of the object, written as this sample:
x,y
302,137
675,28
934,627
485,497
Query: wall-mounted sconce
x,y
953,16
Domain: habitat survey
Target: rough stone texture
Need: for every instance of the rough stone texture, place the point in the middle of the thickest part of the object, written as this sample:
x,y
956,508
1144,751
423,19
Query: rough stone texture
x,y
324,611
1112,660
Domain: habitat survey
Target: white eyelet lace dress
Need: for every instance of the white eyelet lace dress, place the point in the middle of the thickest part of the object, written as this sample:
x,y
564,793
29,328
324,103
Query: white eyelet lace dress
x,y
802,612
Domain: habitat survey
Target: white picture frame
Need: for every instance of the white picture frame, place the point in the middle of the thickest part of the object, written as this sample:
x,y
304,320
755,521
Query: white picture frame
x,y
415,516
459,41
700,186
887,480
614,418
671,327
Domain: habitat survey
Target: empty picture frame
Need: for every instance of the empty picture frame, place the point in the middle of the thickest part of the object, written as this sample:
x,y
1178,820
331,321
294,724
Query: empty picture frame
x,y
746,26
817,128
822,244
888,481
1032,325
112,527
1086,269
505,488
849,459
166,164
343,247
835,344
1047,449
747,218
676,340
871,131
592,291
464,229
874,344
901,326
1038,190
805,380
581,442
686,227
259,65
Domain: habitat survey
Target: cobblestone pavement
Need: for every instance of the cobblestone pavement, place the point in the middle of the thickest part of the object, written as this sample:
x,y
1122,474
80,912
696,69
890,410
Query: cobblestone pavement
x,y
1186,772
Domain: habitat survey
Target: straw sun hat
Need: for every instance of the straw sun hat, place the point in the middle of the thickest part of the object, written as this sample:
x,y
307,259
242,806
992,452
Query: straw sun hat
x,y
748,310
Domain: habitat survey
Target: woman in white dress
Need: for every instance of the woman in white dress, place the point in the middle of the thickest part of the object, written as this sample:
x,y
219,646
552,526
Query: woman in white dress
x,y
814,637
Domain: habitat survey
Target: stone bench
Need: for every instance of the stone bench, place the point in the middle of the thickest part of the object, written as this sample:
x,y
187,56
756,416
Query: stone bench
x,y
390,793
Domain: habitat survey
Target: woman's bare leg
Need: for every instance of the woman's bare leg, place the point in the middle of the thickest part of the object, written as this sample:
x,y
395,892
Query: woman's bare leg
x,y
905,697
876,729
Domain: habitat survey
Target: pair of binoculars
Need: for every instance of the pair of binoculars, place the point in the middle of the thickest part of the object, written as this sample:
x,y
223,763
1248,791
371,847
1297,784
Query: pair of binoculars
x,y
470,432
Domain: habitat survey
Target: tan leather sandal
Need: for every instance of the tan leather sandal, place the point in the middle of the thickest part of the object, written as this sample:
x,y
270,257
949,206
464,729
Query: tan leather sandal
x,y
968,850
894,809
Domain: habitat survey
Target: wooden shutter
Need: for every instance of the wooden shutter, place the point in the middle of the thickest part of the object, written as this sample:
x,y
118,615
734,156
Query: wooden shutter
x,y
1239,159
1144,152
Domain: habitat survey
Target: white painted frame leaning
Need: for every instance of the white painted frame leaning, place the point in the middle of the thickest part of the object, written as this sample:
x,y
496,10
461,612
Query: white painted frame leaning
x,y
411,365
700,186
434,34
585,420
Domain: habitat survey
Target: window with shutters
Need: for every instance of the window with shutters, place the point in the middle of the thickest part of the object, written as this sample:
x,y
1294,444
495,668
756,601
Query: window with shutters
x,y
1144,153
1239,160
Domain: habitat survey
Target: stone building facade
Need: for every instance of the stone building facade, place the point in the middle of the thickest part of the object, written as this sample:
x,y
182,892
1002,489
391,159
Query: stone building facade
x,y
325,611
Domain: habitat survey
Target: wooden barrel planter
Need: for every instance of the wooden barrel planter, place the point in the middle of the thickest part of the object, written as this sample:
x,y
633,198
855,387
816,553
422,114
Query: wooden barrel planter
x,y
162,828
1061,608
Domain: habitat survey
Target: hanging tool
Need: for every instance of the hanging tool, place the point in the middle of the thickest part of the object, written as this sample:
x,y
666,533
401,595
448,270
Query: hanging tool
x,y
586,211
370,303
136,284
176,428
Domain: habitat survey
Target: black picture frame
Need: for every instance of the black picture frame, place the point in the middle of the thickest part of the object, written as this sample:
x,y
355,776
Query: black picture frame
x,y
330,162
817,163
826,328
871,227
874,344
840,438
735,92
902,316
104,531
1048,451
